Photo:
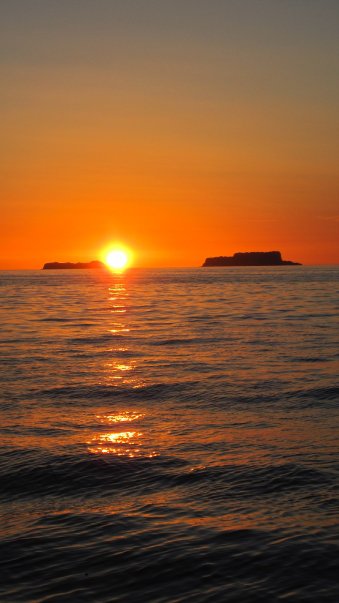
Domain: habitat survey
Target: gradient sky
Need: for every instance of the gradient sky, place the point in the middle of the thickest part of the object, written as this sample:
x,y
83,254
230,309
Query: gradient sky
x,y
183,129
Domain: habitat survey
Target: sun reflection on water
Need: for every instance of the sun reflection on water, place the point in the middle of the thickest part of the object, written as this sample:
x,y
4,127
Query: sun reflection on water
x,y
118,296
120,418
120,373
120,443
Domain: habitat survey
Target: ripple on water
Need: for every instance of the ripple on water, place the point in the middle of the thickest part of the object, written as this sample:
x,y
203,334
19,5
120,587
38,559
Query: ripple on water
x,y
169,437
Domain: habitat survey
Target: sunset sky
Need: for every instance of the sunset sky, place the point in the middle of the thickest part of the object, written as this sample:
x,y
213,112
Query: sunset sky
x,y
179,128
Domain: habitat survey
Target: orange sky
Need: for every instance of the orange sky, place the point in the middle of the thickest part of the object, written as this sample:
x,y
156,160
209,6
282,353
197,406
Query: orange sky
x,y
181,132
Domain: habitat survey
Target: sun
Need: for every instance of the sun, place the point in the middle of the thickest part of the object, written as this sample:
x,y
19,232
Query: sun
x,y
117,259
117,256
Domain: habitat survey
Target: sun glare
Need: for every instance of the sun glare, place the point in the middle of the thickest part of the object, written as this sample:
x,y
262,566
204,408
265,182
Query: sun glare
x,y
117,259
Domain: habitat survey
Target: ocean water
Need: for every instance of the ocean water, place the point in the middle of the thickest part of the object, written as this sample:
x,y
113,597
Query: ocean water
x,y
170,436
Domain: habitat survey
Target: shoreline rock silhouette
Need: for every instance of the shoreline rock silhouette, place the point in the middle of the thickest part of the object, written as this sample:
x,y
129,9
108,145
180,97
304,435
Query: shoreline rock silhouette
x,y
250,258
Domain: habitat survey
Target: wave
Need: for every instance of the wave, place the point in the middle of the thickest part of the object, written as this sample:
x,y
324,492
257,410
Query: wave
x,y
107,337
24,474
156,391
89,474
221,393
251,481
328,393
78,556
185,341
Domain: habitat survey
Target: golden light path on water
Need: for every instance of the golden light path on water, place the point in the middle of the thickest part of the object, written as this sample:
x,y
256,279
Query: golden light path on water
x,y
129,443
120,443
122,418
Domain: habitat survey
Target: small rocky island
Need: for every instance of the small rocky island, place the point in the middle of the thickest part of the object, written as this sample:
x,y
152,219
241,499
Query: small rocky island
x,y
73,266
252,258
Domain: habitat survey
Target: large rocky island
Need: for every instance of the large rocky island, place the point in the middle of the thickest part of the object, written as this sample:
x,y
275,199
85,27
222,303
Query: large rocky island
x,y
252,258
72,266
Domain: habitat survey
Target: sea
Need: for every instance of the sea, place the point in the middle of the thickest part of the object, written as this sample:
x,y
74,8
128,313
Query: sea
x,y
170,435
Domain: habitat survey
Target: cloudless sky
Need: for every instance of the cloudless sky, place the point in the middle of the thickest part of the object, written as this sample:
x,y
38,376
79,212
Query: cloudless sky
x,y
182,129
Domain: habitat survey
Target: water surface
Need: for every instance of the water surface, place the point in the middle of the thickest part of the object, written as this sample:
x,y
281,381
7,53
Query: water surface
x,y
170,435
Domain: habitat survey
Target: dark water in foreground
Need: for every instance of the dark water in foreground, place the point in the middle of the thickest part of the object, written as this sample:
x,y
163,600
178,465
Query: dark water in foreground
x,y
170,436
